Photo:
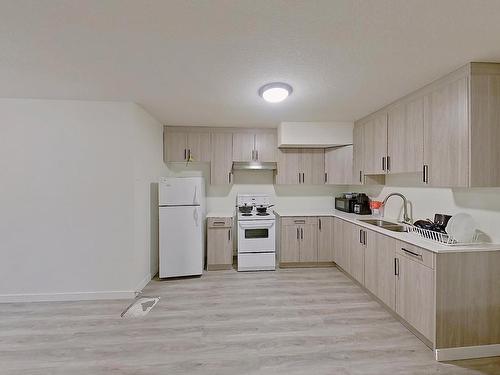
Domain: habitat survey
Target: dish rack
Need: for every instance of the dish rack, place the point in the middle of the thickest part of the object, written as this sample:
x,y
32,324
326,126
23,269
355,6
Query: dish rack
x,y
441,238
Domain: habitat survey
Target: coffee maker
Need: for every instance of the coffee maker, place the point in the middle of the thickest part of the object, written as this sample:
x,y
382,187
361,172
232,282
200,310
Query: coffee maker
x,y
362,205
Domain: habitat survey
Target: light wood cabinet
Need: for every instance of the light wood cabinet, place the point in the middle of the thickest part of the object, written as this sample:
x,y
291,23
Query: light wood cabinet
x,y
184,144
380,254
357,253
405,137
219,243
255,145
415,295
338,165
357,153
299,240
222,159
301,166
446,140
375,145
325,239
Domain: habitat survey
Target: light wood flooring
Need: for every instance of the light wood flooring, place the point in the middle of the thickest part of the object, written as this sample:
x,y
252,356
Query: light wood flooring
x,y
295,321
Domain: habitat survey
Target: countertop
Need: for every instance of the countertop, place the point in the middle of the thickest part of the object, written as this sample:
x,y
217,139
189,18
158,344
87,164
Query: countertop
x,y
410,238
220,214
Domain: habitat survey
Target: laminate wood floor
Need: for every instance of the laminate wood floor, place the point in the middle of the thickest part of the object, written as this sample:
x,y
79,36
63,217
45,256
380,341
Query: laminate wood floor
x,y
297,321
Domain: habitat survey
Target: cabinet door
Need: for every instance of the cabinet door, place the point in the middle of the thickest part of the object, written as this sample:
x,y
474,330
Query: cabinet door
x,y
371,262
415,295
222,159
308,243
357,154
243,146
198,144
266,146
288,167
357,254
289,247
175,143
325,239
375,145
405,137
312,166
219,248
386,279
446,140
347,240
338,242
338,165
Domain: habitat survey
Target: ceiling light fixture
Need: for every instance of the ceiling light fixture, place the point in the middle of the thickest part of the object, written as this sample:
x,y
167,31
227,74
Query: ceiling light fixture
x,y
275,92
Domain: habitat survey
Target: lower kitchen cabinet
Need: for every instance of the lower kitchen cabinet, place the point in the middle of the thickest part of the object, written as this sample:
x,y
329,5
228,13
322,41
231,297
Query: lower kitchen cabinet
x,y
299,239
219,243
415,292
357,253
325,239
339,243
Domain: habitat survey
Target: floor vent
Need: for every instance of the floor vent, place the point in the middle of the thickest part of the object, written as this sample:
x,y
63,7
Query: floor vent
x,y
140,307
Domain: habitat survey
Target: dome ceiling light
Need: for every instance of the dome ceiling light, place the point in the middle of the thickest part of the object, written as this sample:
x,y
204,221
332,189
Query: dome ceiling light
x,y
275,92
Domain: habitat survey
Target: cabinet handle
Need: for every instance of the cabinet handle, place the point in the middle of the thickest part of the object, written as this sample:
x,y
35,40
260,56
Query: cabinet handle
x,y
412,253
388,163
319,222
256,154
360,236
299,221
383,163
297,233
185,154
219,222
326,177
303,179
360,179
301,233
189,154
425,173
364,237
229,234
396,266
299,177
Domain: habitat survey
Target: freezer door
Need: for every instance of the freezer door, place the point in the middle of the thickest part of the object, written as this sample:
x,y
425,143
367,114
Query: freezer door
x,y
179,191
181,241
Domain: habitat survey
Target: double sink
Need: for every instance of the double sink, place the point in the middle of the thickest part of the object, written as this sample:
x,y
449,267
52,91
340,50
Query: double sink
x,y
386,225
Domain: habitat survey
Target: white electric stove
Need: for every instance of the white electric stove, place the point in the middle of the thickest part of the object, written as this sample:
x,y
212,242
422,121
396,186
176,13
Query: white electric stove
x,y
256,233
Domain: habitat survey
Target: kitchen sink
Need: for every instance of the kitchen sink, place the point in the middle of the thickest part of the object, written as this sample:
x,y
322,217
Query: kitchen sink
x,y
386,225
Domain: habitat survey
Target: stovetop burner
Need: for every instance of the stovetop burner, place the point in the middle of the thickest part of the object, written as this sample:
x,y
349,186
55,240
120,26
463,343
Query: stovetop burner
x,y
262,213
246,214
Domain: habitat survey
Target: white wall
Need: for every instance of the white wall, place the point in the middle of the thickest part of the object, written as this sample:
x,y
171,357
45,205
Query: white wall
x,y
483,204
70,173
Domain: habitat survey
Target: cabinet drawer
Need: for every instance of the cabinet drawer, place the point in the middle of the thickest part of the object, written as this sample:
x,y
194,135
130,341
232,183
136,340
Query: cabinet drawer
x,y
298,220
416,253
219,222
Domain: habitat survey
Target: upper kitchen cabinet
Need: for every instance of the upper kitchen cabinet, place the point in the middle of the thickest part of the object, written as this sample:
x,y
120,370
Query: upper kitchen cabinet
x,y
448,132
338,165
186,144
375,145
254,145
301,166
357,153
405,137
222,158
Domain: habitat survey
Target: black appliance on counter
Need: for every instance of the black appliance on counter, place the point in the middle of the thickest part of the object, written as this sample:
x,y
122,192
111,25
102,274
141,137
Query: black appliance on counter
x,y
345,204
356,203
362,205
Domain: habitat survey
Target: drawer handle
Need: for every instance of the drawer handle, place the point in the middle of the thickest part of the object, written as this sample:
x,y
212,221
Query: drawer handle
x,y
299,221
219,222
412,253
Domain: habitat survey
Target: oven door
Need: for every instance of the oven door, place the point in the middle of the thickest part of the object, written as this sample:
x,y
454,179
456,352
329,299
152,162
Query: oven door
x,y
256,236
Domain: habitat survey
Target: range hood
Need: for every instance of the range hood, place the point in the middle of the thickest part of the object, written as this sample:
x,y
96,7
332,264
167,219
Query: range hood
x,y
254,165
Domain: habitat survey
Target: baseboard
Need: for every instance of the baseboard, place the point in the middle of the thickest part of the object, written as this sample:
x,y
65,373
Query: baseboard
x,y
60,297
143,283
78,296
467,352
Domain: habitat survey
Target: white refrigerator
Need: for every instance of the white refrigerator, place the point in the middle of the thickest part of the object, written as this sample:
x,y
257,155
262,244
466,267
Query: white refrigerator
x,y
182,226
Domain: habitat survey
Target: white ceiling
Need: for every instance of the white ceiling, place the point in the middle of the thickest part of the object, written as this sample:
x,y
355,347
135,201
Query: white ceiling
x,y
202,62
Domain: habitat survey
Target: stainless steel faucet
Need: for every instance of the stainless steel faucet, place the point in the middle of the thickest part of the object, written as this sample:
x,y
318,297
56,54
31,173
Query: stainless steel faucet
x,y
406,218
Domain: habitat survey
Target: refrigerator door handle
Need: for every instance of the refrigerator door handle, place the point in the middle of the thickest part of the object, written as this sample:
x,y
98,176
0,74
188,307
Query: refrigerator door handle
x,y
196,217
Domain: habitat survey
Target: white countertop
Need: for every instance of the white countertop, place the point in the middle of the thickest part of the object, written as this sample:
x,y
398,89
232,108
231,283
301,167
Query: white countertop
x,y
410,238
220,214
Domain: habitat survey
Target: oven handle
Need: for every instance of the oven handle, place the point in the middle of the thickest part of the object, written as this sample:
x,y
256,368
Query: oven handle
x,y
261,224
